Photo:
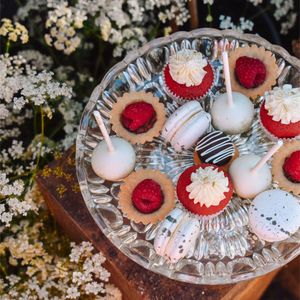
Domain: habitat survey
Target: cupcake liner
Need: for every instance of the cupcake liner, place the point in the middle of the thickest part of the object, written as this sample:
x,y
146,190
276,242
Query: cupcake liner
x,y
181,100
277,170
132,97
270,135
126,189
269,61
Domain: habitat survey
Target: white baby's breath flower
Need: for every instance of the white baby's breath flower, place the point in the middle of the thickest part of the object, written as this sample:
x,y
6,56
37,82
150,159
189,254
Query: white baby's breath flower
x,y
72,292
13,31
242,26
62,23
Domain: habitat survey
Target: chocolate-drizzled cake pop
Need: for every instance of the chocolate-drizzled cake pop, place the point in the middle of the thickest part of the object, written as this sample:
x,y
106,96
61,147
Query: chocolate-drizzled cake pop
x,y
215,148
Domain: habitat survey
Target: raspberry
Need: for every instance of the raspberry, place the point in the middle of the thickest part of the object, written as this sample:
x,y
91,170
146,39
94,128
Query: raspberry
x,y
147,196
250,72
138,117
291,167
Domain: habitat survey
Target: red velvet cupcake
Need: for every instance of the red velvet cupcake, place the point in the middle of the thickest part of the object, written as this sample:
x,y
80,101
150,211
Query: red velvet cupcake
x,y
188,76
280,113
204,190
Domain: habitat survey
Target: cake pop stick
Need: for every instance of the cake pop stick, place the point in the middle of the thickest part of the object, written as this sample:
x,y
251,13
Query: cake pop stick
x,y
227,78
103,129
231,112
113,158
269,154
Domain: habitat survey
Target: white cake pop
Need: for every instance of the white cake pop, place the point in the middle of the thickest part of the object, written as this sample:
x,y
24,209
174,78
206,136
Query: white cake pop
x,y
231,112
114,158
250,174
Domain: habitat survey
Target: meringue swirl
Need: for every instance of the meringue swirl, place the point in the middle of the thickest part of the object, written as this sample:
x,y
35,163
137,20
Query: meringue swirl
x,y
208,186
187,67
283,104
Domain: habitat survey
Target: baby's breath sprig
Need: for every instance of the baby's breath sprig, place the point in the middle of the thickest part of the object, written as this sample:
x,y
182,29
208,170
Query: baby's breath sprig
x,y
14,32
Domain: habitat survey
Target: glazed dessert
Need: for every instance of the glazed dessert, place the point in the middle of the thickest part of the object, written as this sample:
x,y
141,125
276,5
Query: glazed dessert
x,y
204,190
232,119
280,113
113,165
215,148
188,75
286,167
186,125
176,235
253,70
274,215
113,158
138,117
146,196
247,184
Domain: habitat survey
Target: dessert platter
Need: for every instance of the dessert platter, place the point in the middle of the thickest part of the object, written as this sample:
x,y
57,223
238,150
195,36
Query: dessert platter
x,y
188,156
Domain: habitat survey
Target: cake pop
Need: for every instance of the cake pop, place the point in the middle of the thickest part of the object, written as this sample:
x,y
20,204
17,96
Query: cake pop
x,y
250,173
231,112
113,158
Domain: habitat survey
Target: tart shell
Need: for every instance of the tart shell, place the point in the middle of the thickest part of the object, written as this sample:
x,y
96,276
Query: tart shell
x,y
133,97
129,184
277,167
269,61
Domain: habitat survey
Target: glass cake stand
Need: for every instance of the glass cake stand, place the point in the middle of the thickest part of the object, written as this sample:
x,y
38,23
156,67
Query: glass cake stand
x,y
226,251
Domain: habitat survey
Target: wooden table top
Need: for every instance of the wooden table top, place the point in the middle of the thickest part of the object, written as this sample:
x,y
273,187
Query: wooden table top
x,y
60,188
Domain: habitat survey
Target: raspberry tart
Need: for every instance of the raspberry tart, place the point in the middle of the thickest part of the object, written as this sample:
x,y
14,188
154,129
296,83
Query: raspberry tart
x,y
286,167
205,190
280,113
188,76
138,117
253,70
146,196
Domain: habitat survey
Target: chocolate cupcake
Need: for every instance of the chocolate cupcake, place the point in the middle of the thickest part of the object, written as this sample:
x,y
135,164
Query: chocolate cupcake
x,y
215,148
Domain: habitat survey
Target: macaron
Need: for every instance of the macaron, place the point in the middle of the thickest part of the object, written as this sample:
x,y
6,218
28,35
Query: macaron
x,y
274,215
186,125
176,235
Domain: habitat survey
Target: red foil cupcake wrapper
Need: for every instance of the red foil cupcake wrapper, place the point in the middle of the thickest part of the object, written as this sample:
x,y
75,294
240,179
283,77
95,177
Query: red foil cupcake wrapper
x,y
270,135
181,100
203,217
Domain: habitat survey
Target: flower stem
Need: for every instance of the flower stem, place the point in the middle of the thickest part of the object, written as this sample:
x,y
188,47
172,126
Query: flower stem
x,y
42,139
35,119
209,17
7,46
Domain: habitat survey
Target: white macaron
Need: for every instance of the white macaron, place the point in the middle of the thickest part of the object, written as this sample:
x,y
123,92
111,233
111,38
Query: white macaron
x,y
176,235
274,215
186,125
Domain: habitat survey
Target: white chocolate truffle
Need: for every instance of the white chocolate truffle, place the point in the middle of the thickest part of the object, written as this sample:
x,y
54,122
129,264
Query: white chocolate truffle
x,y
233,119
113,165
248,184
274,215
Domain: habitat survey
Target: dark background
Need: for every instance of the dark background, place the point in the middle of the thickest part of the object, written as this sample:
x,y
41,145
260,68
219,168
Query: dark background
x,y
265,24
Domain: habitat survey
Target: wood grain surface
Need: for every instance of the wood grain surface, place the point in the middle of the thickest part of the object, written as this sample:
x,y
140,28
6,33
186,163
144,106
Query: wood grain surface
x,y
59,185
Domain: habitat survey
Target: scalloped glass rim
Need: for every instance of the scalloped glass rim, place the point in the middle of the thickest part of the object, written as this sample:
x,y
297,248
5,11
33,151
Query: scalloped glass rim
x,y
206,277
